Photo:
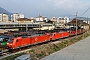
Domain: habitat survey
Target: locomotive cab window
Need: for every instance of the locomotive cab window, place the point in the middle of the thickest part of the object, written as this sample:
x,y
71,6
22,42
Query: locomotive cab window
x,y
10,40
50,34
5,39
16,40
1,39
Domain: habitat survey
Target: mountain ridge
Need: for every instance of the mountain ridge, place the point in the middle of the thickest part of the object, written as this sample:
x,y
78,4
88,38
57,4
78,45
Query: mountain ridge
x,y
2,10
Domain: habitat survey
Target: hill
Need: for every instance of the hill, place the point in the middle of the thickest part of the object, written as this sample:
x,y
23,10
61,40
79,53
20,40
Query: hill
x,y
2,10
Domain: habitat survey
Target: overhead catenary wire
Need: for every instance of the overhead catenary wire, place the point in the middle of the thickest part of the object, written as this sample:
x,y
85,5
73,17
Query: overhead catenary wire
x,y
86,11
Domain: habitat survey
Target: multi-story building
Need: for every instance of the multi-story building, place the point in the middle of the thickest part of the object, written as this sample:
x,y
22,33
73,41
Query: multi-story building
x,y
16,16
4,17
60,21
41,18
53,19
87,20
63,20
23,20
84,19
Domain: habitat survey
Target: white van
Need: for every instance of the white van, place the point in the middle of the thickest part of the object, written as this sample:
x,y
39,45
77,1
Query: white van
x,y
23,57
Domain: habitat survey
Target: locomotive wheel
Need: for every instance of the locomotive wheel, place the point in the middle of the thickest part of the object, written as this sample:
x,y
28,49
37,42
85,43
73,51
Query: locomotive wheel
x,y
11,50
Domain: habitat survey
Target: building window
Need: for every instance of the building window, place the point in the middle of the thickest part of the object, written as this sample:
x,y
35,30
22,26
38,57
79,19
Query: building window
x,y
4,16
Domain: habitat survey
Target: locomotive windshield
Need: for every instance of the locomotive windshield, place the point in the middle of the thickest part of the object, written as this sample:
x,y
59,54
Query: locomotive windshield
x,y
4,38
10,40
1,39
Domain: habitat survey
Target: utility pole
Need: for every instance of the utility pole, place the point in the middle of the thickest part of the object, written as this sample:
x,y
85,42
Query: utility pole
x,y
2,17
70,27
39,21
26,26
76,23
87,22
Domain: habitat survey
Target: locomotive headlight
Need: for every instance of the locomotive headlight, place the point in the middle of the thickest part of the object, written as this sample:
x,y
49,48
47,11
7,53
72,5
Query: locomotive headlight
x,y
7,43
10,44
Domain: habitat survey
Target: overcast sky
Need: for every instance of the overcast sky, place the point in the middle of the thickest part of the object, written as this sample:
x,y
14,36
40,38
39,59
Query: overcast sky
x,y
49,8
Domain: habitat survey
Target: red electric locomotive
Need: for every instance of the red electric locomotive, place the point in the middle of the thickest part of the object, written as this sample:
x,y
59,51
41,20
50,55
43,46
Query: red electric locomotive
x,y
59,35
23,41
26,40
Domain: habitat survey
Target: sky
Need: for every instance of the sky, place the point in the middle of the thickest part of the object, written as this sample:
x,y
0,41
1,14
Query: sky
x,y
48,8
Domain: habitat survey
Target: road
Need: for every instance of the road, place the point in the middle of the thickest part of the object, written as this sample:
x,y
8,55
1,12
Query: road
x,y
78,51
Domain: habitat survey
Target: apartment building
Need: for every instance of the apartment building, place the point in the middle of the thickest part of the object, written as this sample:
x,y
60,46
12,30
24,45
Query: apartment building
x,y
54,19
41,18
63,20
87,21
4,17
23,20
16,16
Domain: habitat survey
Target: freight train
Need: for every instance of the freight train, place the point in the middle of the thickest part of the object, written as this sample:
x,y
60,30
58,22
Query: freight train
x,y
40,37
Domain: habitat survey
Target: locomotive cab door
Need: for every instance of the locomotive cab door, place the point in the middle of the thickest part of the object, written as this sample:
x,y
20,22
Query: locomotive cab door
x,y
18,43
53,36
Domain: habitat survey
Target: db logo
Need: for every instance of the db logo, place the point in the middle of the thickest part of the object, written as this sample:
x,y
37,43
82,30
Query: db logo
x,y
36,39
